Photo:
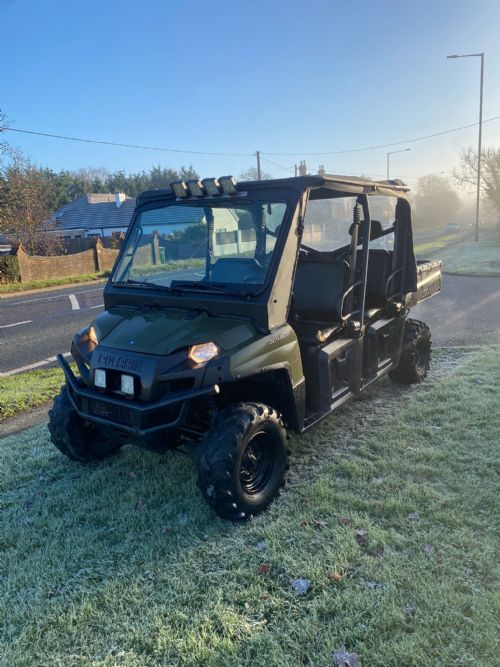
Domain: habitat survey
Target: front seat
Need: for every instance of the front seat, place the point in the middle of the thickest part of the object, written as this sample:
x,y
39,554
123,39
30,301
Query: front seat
x,y
318,289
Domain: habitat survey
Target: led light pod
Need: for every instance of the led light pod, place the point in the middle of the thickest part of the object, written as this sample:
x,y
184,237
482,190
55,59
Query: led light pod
x,y
211,186
180,189
203,352
127,384
195,187
228,184
100,378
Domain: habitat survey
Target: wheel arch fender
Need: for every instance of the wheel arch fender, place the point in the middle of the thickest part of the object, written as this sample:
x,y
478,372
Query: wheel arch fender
x,y
272,386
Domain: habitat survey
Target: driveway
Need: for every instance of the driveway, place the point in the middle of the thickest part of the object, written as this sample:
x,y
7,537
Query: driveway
x,y
466,312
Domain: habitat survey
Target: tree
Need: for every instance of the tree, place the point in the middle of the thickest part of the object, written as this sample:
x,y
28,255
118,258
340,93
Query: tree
x,y
252,175
4,146
490,172
28,205
30,194
435,203
6,154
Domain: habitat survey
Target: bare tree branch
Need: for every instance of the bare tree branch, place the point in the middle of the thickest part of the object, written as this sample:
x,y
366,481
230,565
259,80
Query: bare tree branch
x,y
490,172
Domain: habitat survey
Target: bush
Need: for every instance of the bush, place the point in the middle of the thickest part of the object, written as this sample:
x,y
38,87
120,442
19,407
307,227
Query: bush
x,y
9,269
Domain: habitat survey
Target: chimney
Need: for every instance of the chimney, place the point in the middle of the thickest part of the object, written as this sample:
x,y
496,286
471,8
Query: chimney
x,y
119,199
302,168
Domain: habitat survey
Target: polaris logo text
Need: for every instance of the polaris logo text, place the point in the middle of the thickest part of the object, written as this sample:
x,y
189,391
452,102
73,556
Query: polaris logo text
x,y
120,363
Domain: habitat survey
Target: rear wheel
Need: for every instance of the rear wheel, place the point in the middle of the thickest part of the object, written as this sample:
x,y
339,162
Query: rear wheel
x,y
242,462
416,354
74,437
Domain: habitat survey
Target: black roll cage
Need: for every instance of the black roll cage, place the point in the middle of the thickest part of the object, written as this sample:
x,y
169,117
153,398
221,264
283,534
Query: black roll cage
x,y
269,308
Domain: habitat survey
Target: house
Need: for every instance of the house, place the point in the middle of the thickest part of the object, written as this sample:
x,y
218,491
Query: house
x,y
7,242
92,215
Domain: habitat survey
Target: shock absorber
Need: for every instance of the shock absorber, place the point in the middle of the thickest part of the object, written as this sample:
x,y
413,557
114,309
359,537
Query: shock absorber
x,y
357,213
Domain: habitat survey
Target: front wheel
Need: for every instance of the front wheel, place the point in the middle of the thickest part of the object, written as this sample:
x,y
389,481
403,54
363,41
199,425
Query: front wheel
x,y
416,354
74,437
242,462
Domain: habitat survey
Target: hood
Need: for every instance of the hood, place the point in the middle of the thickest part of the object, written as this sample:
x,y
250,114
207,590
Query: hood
x,y
163,331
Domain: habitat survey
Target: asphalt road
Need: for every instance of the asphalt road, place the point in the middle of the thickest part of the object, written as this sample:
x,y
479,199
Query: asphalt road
x,y
34,328
466,312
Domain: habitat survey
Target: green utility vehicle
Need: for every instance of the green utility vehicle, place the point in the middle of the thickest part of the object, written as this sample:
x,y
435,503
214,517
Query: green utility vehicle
x,y
237,312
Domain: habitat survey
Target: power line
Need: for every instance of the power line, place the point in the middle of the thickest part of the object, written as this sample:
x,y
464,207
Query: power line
x,y
121,145
394,143
278,165
262,153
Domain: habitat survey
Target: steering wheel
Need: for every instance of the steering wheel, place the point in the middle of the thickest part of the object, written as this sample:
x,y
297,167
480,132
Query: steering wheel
x,y
250,278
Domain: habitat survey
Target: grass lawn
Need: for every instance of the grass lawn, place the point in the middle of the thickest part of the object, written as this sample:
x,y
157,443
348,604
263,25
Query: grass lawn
x,y
27,390
428,248
389,514
8,288
482,258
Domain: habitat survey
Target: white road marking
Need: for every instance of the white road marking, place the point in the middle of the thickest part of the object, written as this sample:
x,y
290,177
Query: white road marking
x,y
99,305
29,367
50,298
16,324
74,302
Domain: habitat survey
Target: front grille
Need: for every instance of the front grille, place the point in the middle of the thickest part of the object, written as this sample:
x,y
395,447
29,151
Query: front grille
x,y
115,413
166,387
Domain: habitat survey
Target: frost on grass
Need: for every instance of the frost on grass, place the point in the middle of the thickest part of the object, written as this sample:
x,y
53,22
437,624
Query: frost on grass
x,y
300,586
342,658
86,579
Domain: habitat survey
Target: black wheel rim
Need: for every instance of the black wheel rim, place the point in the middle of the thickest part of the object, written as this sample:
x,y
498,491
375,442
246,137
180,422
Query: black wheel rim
x,y
422,356
257,464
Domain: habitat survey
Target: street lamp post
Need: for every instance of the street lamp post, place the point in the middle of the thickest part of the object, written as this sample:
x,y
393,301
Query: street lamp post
x,y
477,55
403,150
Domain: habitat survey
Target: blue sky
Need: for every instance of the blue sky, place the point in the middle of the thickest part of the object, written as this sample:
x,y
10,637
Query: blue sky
x,y
281,76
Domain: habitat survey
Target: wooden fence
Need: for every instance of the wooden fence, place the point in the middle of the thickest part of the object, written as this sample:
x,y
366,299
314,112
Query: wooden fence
x,y
94,260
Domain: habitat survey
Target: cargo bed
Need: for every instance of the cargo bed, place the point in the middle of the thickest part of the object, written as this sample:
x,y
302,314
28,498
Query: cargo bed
x,y
428,282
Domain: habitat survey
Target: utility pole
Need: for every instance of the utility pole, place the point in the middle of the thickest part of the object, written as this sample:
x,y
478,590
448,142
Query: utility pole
x,y
259,173
477,55
403,150
479,148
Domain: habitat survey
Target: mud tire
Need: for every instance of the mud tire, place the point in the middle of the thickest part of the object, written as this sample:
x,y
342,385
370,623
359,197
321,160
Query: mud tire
x,y
74,437
416,354
242,461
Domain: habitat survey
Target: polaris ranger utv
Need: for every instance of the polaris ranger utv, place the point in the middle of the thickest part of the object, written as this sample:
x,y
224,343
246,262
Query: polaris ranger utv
x,y
236,312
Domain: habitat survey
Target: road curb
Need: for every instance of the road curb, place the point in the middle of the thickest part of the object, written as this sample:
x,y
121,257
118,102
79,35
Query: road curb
x,y
24,420
52,288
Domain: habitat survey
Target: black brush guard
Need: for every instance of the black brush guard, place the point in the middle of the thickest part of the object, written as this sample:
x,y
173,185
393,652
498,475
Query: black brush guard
x,y
130,416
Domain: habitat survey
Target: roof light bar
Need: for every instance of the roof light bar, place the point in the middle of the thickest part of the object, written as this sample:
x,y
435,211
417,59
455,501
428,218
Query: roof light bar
x,y
228,184
180,188
196,187
211,186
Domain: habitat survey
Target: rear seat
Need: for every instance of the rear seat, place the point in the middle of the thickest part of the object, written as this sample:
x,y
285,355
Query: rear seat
x,y
379,269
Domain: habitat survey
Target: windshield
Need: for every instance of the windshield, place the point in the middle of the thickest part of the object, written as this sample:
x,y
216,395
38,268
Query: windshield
x,y
217,247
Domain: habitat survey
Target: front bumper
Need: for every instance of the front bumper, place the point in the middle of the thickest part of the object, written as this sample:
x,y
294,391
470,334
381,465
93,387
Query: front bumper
x,y
130,416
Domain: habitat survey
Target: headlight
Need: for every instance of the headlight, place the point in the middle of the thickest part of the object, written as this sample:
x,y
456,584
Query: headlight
x,y
203,352
84,343
92,335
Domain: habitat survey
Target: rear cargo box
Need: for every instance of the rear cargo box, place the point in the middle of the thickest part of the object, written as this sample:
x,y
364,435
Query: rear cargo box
x,y
428,282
